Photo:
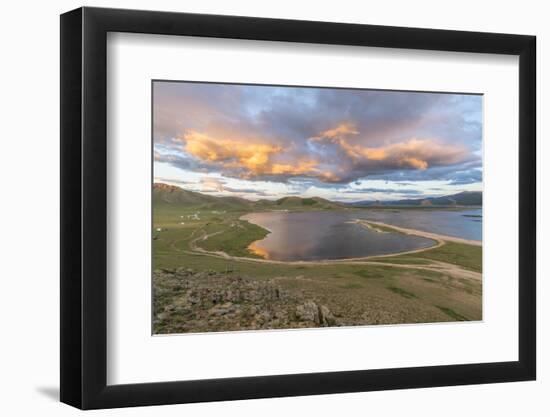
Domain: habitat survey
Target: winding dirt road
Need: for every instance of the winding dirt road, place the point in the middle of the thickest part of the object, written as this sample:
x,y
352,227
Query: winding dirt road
x,y
436,266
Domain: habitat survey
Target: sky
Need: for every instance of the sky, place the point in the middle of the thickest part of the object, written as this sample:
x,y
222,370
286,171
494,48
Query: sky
x,y
268,142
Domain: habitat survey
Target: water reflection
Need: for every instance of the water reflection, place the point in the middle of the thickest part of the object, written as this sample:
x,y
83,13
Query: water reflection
x,y
325,235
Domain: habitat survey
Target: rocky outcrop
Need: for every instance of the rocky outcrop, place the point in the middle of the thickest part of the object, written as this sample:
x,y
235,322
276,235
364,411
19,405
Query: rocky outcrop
x,y
190,301
320,315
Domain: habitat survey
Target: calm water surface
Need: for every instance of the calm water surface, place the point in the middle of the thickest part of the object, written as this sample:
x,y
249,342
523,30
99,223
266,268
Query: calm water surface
x,y
465,224
333,235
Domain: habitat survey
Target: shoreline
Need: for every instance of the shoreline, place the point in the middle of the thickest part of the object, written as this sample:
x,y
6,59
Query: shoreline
x,y
439,239
421,233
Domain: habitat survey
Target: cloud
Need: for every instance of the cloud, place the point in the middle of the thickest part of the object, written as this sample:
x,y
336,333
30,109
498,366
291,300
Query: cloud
x,y
408,154
246,191
465,177
173,181
342,130
217,185
229,152
379,190
321,136
333,157
246,159
460,174
212,184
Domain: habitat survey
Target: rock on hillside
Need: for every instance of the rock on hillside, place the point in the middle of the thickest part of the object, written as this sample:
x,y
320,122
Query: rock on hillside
x,y
189,301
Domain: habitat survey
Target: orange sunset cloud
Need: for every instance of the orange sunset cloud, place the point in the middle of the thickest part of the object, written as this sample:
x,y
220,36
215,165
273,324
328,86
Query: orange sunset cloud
x,y
412,153
250,158
253,158
315,137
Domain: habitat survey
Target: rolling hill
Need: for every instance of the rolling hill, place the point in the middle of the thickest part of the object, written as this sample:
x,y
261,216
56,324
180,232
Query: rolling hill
x,y
293,203
164,194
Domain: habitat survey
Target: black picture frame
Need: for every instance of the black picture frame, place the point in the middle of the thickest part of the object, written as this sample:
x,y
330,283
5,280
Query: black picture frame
x,y
84,207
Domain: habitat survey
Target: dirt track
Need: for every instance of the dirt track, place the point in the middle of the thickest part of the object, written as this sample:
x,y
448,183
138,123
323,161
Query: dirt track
x,y
436,266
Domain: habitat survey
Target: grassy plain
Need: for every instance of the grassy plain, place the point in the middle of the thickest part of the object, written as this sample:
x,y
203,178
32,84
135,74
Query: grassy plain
x,y
460,254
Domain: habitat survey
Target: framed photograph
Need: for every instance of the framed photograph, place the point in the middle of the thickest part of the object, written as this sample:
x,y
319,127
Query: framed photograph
x,y
257,208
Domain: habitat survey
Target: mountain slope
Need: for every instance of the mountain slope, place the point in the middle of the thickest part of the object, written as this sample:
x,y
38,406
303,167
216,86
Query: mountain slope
x,y
164,194
298,202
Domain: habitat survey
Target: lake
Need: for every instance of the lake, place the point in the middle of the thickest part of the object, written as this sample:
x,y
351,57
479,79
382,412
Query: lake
x,y
466,224
327,235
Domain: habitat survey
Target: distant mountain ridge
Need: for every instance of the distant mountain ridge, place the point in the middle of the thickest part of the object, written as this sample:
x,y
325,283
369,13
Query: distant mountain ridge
x,y
465,198
165,194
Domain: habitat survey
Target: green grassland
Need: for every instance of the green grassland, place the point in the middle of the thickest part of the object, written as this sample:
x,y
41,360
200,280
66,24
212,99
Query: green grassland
x,y
234,239
372,293
463,255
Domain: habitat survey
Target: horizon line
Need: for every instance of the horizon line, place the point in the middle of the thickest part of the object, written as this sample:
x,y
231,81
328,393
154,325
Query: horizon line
x,y
237,195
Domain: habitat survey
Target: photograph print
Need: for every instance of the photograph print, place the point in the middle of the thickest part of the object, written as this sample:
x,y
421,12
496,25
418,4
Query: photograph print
x,y
288,207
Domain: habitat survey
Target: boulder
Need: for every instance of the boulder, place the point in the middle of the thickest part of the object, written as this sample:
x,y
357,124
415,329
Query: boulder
x,y
326,318
308,311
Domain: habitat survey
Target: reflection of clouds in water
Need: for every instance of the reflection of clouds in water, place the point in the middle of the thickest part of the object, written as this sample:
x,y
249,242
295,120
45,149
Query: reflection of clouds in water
x,y
257,250
324,235
283,241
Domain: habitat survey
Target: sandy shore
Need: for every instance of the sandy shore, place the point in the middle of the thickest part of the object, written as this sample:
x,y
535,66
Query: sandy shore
x,y
435,266
437,238
415,232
